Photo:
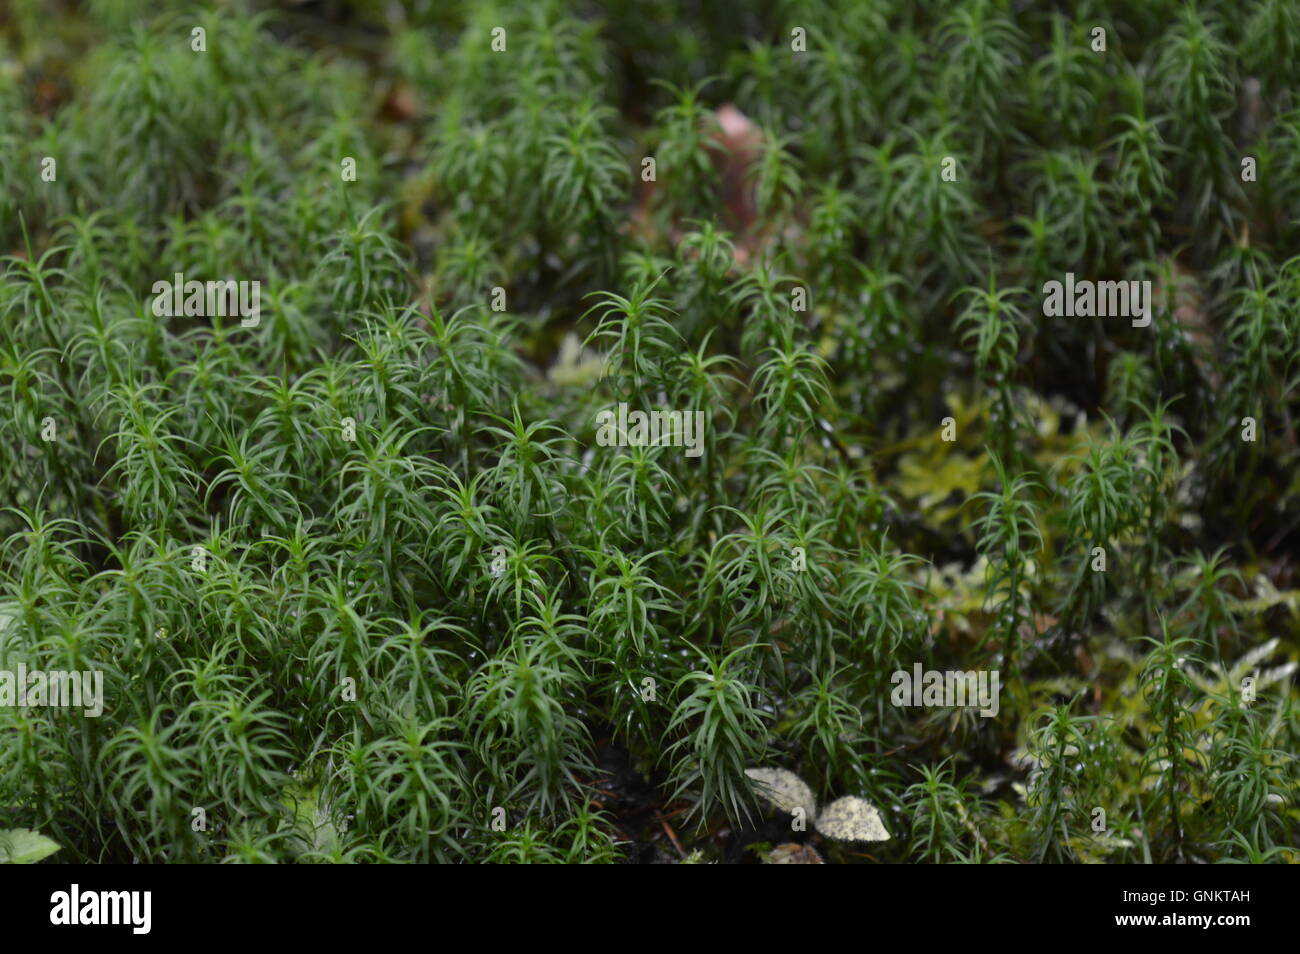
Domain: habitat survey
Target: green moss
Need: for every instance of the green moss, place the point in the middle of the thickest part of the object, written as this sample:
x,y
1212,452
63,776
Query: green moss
x,y
365,582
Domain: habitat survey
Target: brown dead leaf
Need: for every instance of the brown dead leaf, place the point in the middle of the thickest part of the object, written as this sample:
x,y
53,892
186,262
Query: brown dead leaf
x,y
400,104
736,142
739,140
791,853
1191,317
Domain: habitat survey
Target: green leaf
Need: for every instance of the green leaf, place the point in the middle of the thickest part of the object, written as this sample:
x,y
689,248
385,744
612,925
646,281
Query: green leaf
x,y
21,846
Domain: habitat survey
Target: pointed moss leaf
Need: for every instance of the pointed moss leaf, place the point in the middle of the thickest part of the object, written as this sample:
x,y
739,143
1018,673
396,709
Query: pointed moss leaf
x,y
852,819
785,790
21,846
